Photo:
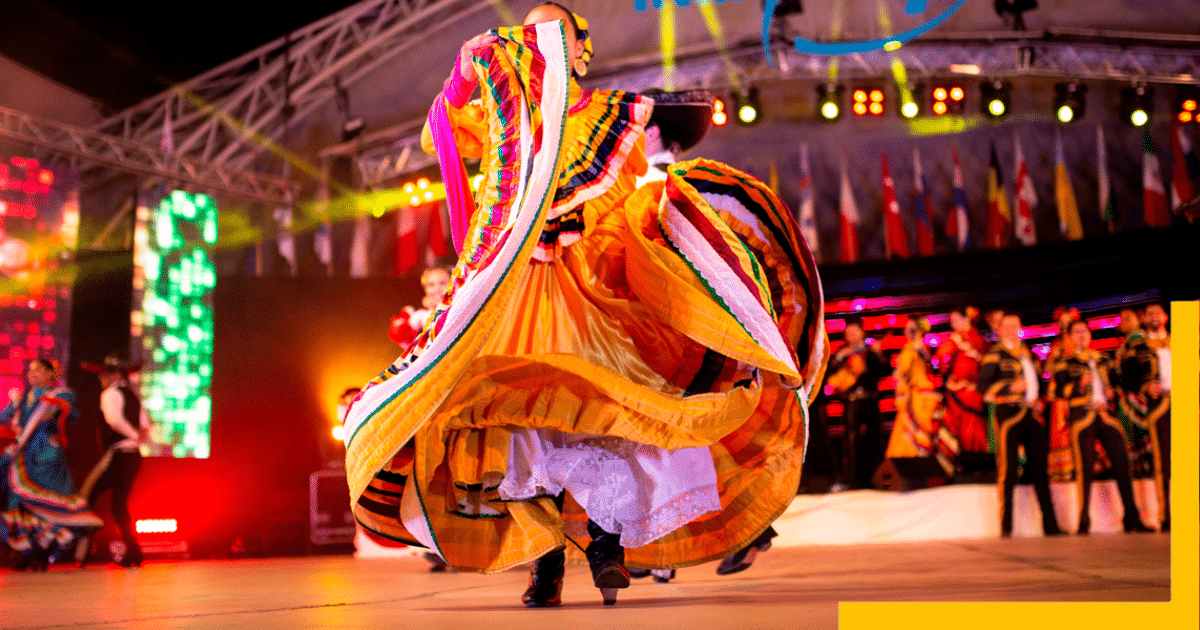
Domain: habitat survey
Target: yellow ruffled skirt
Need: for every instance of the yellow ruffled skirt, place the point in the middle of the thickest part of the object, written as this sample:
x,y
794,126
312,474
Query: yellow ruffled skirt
x,y
617,337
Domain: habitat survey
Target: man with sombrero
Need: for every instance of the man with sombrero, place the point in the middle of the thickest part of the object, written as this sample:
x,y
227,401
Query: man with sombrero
x,y
125,428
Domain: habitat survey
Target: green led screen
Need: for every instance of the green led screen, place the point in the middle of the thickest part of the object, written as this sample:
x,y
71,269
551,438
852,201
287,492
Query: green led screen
x,y
173,283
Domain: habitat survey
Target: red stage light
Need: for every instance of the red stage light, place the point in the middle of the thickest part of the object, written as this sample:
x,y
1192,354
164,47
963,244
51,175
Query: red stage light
x,y
860,109
876,108
1189,105
1185,117
156,526
860,96
876,96
939,94
46,177
956,93
719,116
939,108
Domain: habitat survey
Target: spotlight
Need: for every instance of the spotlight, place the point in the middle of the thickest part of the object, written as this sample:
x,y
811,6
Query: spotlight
x,y
719,116
1069,101
948,99
997,98
867,101
908,96
829,98
747,106
1187,107
1137,105
909,109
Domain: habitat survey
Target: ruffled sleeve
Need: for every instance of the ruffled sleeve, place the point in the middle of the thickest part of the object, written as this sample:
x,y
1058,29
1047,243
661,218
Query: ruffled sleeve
x,y
470,130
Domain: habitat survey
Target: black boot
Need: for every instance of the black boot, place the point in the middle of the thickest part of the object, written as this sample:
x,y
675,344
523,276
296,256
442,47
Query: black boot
x,y
546,581
606,557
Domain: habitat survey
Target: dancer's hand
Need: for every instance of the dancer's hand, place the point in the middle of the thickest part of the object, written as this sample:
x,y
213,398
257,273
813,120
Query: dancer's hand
x,y
14,394
468,50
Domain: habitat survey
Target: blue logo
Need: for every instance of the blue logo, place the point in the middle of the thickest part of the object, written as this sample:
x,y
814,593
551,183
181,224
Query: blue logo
x,y
911,7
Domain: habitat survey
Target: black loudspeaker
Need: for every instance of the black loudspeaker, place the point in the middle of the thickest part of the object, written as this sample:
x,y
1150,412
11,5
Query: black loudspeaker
x,y
330,519
909,473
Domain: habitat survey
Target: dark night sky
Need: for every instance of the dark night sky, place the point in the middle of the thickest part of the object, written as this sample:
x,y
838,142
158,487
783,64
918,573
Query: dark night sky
x,y
122,51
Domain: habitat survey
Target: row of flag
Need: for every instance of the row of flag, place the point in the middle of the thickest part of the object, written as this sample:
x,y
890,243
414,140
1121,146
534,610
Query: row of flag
x,y
1004,223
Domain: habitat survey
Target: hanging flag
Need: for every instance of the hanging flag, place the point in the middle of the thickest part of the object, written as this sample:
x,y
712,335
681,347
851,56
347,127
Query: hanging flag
x,y
999,223
957,226
847,222
360,247
1108,212
1064,195
1185,167
924,206
406,240
1026,198
283,238
895,238
437,231
1154,197
808,215
323,246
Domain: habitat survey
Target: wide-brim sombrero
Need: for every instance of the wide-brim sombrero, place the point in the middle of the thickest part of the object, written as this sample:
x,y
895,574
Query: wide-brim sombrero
x,y
682,117
111,363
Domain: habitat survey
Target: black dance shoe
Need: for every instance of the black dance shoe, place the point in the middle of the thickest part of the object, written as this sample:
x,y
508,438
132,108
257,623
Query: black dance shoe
x,y
1085,526
1137,527
546,581
132,559
745,557
606,557
638,574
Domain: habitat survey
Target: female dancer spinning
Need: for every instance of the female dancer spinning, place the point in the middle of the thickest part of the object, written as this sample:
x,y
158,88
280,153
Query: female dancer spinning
x,y
626,367
42,517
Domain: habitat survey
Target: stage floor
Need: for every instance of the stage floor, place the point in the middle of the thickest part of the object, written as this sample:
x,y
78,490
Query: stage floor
x,y
797,587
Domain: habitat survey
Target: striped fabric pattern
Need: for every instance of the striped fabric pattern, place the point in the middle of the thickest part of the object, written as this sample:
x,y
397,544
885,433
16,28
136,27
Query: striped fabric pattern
x,y
502,237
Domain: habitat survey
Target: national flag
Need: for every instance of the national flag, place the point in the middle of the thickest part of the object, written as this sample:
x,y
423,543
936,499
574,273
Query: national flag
x,y
1025,197
1064,195
999,223
808,218
895,238
284,239
406,239
360,247
323,246
1185,168
924,206
847,221
1108,213
957,226
438,244
1154,197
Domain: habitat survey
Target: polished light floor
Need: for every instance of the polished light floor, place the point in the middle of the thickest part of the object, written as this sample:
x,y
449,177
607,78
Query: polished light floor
x,y
797,587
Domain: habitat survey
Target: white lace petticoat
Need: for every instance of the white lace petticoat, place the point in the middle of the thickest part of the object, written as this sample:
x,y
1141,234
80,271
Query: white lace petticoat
x,y
639,491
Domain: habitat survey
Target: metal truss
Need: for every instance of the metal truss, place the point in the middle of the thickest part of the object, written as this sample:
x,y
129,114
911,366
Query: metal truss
x,y
104,150
232,114
993,55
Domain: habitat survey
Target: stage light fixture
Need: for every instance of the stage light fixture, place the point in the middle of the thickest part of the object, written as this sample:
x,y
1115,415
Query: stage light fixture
x,y
719,117
1187,108
1137,105
1015,8
867,101
910,97
829,98
747,106
909,109
997,98
947,99
1070,101
339,433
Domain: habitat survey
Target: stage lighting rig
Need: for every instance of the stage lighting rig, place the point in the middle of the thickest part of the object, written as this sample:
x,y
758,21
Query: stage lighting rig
x,y
748,106
997,98
829,102
720,116
1070,101
867,100
1015,8
1187,107
948,99
1137,105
